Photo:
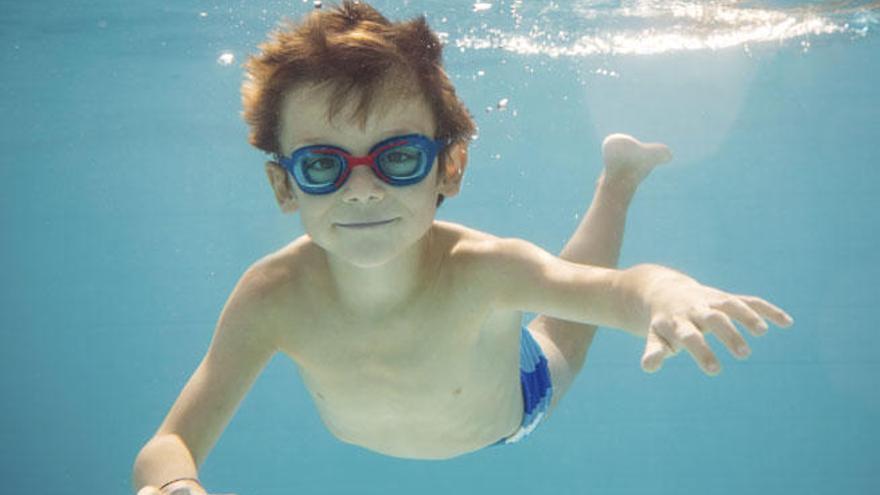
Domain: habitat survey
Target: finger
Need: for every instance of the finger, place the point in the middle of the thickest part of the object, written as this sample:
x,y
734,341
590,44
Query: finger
x,y
656,351
769,311
688,336
740,311
721,324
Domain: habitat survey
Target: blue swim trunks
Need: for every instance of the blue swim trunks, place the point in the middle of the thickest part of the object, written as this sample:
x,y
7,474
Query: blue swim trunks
x,y
537,389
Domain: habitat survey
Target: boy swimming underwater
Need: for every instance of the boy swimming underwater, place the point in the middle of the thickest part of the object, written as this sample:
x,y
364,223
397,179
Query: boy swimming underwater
x,y
407,331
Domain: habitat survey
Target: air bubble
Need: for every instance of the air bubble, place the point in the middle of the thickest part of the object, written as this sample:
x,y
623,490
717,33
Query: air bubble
x,y
226,58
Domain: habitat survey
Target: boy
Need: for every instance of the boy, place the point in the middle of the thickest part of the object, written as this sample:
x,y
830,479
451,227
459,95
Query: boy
x,y
406,330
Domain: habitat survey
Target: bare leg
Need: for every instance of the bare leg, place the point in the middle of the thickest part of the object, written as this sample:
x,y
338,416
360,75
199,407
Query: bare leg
x,y
596,241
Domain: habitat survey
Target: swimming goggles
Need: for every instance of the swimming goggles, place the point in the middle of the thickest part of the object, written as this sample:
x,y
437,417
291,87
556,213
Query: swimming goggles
x,y
398,161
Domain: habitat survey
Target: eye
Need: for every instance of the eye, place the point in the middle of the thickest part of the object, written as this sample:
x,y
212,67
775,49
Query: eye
x,y
321,169
320,164
400,156
401,161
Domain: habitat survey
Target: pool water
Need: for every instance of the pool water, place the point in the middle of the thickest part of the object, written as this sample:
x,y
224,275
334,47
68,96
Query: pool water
x,y
131,203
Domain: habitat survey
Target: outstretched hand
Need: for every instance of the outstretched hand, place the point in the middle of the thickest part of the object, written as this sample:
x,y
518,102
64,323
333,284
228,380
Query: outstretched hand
x,y
683,311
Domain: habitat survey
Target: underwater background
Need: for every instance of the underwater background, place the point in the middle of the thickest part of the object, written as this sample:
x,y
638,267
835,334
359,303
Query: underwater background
x,y
131,203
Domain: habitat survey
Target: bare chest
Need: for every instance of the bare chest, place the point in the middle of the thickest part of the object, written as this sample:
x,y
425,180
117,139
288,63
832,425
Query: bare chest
x,y
432,381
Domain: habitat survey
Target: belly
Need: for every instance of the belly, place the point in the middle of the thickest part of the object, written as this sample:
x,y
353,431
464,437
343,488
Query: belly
x,y
423,405
442,420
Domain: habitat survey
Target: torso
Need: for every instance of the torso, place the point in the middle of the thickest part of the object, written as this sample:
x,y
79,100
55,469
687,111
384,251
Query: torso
x,y
436,379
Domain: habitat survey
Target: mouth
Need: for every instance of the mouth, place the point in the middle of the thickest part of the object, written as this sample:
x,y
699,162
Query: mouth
x,y
365,225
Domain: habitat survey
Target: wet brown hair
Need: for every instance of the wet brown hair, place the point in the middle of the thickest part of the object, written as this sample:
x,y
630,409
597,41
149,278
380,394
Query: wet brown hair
x,y
356,52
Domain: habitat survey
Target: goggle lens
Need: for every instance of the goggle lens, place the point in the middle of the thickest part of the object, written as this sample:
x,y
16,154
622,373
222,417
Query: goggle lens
x,y
320,169
402,162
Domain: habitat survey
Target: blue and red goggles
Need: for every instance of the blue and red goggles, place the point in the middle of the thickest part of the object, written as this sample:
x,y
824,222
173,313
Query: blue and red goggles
x,y
399,161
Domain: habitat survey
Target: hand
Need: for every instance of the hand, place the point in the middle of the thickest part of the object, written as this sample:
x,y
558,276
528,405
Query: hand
x,y
682,310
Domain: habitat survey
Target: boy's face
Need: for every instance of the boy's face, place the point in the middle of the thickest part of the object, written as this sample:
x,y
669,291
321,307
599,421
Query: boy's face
x,y
340,222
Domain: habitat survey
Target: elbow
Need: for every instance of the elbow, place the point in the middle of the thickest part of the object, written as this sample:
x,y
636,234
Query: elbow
x,y
139,471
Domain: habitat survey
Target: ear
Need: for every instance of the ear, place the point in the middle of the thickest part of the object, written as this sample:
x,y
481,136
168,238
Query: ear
x,y
285,193
456,162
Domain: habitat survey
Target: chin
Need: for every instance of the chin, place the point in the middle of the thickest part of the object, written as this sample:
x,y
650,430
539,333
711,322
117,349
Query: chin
x,y
364,250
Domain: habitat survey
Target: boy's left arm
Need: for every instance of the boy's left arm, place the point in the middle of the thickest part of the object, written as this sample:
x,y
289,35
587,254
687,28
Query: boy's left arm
x,y
670,309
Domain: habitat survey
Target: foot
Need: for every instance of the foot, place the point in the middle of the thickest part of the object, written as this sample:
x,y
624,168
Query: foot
x,y
629,160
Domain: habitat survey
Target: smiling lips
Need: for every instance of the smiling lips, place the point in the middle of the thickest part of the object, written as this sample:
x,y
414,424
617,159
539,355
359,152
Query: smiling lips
x,y
365,225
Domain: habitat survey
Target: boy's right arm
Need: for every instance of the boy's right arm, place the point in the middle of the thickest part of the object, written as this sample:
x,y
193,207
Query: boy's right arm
x,y
242,345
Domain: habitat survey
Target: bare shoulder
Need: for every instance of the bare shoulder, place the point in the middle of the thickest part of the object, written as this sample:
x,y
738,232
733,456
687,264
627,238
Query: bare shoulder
x,y
463,240
280,267
486,250
268,286
489,259
464,247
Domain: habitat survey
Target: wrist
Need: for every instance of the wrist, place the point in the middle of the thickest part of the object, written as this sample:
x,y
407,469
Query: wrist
x,y
182,486
636,285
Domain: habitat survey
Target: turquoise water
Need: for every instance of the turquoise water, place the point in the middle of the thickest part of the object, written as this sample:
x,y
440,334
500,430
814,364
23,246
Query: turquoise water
x,y
131,203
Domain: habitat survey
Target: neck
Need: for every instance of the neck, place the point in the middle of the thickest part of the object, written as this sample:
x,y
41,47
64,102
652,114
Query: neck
x,y
383,289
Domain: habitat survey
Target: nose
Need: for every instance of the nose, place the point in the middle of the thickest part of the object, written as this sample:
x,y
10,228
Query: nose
x,y
362,186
